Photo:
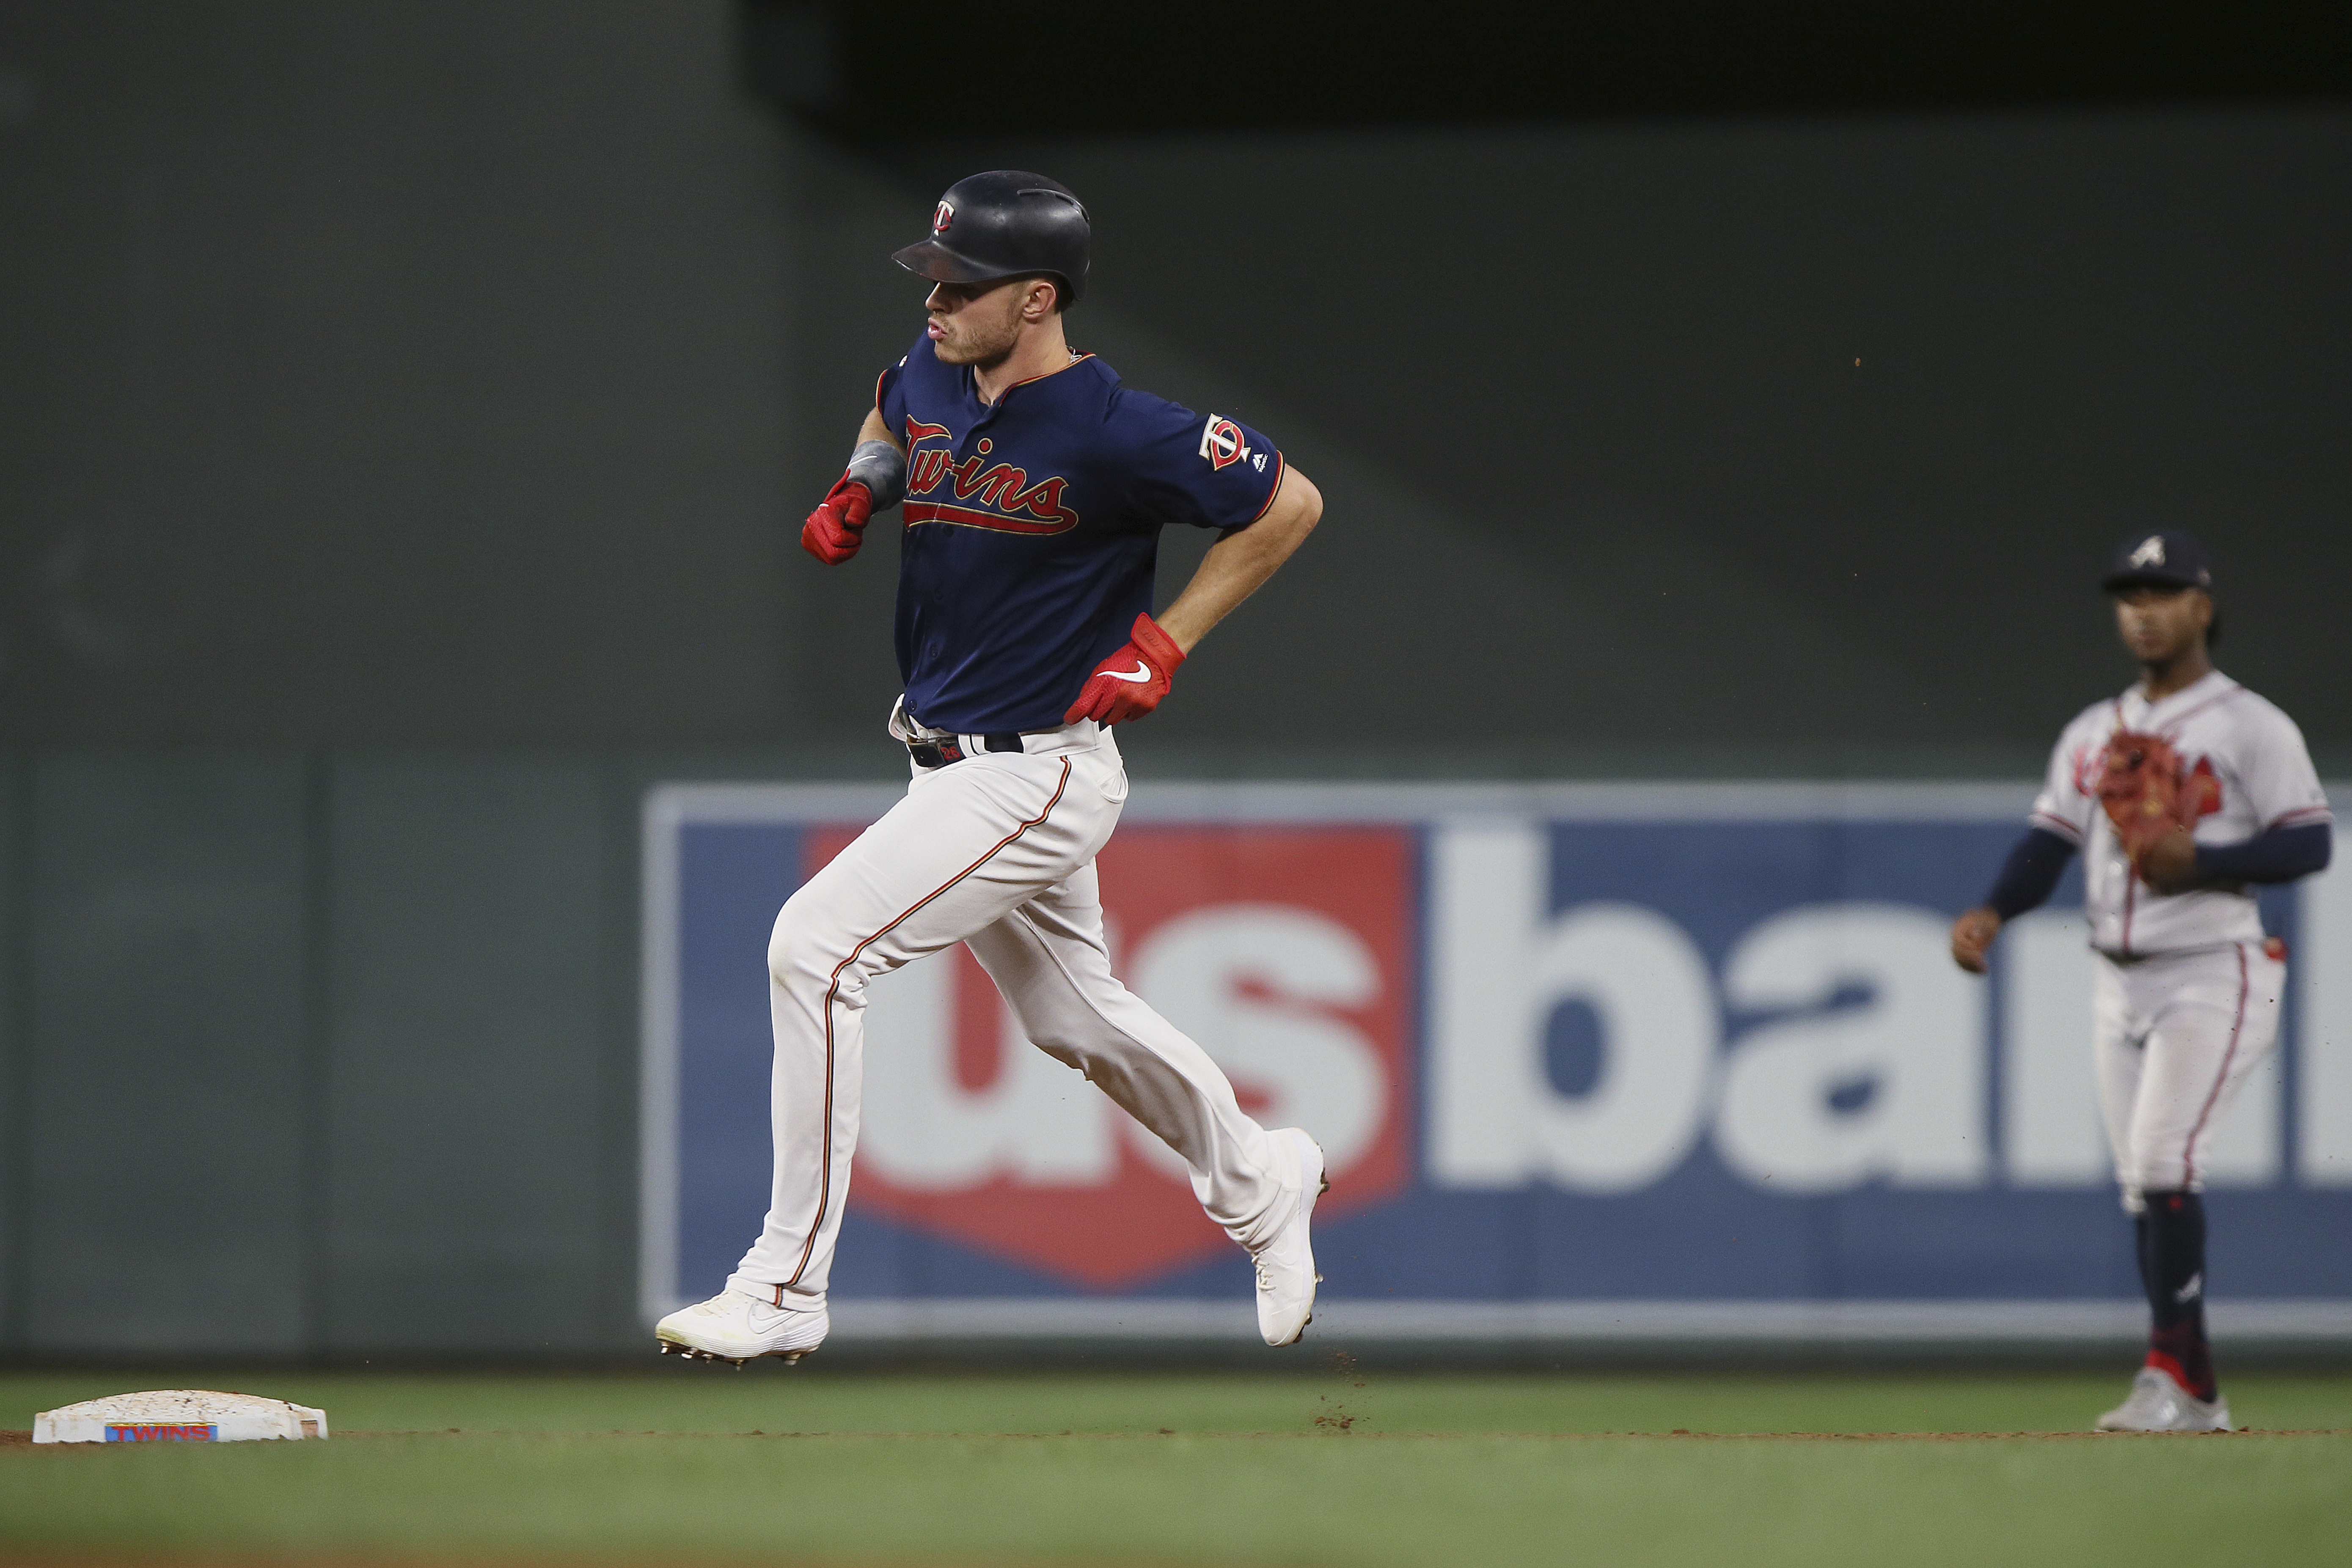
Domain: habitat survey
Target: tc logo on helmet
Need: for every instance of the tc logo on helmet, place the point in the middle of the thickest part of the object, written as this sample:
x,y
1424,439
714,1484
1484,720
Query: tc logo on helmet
x,y
2150,552
942,216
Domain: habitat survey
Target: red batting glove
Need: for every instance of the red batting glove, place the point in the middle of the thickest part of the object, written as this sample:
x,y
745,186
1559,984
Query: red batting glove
x,y
1130,683
837,527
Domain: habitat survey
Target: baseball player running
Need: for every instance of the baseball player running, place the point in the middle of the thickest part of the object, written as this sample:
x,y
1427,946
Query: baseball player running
x,y
1034,486
2181,793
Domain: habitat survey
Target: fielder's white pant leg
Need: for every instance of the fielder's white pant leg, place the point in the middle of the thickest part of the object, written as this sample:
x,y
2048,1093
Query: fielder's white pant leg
x,y
1050,961
968,844
2119,1054
2216,1020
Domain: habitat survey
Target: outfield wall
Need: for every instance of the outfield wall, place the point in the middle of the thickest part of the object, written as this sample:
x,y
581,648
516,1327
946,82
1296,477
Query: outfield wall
x,y
1636,1062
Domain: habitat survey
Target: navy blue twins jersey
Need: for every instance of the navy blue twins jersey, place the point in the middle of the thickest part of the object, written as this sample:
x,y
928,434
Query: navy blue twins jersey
x,y
1032,526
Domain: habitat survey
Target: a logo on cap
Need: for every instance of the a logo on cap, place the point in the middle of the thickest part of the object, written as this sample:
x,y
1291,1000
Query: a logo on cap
x,y
2150,552
942,216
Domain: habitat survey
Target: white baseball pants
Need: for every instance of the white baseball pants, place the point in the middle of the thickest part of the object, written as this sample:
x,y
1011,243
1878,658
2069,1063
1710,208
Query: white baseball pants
x,y
996,852
2175,1036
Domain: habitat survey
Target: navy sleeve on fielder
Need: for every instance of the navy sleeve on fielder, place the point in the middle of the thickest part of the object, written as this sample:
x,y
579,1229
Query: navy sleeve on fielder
x,y
2030,874
1203,470
2282,854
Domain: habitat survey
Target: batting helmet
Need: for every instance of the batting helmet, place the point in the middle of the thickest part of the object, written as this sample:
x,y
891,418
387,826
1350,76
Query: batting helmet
x,y
1004,224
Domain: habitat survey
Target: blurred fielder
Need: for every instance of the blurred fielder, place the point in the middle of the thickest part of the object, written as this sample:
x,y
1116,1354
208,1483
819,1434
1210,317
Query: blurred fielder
x,y
2182,793
1034,487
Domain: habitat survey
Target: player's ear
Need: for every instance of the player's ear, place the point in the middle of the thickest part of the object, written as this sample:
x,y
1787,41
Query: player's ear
x,y
1042,300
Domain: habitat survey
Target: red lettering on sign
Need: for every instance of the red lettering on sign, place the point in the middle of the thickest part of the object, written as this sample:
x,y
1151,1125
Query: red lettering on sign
x,y
1285,951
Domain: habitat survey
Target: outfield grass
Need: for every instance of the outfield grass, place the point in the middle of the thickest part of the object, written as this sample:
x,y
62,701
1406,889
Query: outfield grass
x,y
706,1464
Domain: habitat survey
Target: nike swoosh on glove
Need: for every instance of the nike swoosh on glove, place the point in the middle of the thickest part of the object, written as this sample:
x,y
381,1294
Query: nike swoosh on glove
x,y
837,527
1130,683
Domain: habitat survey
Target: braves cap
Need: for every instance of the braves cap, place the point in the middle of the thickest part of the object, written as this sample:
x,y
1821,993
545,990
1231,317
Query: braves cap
x,y
2172,558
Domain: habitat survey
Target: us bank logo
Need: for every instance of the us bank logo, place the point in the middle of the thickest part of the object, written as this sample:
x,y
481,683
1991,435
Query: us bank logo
x,y
1278,949
1684,1048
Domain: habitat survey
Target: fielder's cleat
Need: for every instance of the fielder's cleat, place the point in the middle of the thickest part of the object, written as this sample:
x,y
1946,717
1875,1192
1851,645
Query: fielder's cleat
x,y
1285,1260
2157,1404
733,1326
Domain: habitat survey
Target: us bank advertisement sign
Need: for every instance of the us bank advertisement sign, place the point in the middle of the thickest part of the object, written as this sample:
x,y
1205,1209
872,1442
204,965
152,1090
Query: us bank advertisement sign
x,y
1641,1061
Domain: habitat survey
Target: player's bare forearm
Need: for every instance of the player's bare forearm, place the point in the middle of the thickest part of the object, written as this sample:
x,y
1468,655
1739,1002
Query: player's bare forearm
x,y
1238,564
876,428
1235,567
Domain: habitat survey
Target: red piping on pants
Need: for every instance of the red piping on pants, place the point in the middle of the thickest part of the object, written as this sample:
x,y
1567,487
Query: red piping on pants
x,y
2189,1155
825,1182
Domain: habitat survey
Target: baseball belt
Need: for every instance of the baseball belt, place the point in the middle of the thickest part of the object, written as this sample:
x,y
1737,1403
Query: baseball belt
x,y
951,748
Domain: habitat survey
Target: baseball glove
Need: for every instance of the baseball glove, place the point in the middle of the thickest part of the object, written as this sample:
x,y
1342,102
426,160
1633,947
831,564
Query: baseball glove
x,y
2141,790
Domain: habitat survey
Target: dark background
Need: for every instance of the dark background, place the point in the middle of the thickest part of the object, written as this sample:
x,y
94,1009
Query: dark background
x,y
406,411
1701,388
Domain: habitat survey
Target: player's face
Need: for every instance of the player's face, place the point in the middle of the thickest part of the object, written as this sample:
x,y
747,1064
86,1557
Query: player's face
x,y
975,323
2159,624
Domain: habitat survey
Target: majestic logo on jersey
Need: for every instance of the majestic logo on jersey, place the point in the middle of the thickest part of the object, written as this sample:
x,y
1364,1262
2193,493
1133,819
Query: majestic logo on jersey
x,y
942,216
1007,502
1221,442
2150,552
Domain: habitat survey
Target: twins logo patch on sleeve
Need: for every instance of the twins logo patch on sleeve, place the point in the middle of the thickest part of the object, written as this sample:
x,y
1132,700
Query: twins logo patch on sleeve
x,y
1223,443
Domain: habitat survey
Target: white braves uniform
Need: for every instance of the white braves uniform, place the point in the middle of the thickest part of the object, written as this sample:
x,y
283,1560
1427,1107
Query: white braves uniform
x,y
2187,992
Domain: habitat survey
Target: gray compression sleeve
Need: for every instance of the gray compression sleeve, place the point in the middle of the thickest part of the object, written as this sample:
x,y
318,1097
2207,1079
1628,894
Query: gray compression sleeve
x,y
881,468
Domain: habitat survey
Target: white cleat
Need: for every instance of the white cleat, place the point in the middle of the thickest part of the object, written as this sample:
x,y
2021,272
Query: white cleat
x,y
2157,1403
1285,1261
733,1326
